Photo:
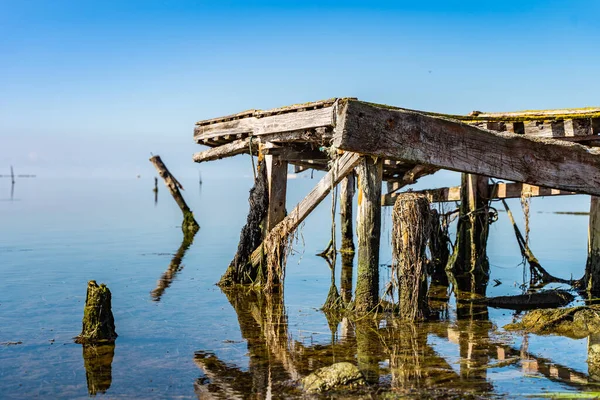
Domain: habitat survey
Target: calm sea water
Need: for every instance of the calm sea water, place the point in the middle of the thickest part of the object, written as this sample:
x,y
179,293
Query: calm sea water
x,y
196,341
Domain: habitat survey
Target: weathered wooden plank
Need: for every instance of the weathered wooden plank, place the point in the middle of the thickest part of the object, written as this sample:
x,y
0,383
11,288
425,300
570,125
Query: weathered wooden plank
x,y
572,112
461,147
301,120
292,154
498,191
277,178
227,150
341,168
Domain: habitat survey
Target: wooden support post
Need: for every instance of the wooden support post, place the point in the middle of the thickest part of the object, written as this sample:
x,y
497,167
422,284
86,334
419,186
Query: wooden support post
x,y
592,270
346,196
346,278
469,262
98,324
368,229
411,221
277,178
189,222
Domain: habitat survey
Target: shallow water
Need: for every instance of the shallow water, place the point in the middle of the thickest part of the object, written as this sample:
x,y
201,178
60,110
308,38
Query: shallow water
x,y
180,336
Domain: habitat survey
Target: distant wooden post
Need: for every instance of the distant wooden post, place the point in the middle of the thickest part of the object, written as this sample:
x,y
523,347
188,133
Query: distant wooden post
x,y
469,262
277,178
368,229
592,270
98,324
346,196
189,222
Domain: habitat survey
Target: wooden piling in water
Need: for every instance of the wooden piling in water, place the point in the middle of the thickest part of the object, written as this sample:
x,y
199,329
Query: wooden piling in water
x,y
368,230
469,262
189,222
98,324
346,196
592,269
411,221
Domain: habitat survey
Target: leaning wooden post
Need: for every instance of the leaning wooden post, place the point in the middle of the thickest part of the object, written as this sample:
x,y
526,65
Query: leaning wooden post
x,y
98,324
592,270
469,263
368,229
346,195
277,178
189,222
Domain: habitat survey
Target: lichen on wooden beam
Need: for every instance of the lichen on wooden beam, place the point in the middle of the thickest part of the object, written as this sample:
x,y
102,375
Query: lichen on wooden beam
x,y
242,146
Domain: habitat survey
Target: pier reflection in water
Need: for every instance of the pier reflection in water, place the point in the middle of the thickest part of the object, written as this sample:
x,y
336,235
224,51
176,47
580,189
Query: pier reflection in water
x,y
446,357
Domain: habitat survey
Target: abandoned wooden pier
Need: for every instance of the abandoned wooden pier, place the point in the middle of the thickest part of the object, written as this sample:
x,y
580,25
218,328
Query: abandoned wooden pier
x,y
540,153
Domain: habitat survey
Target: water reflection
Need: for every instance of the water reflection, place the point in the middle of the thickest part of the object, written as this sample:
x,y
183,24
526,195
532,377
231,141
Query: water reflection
x,y
174,267
433,358
97,361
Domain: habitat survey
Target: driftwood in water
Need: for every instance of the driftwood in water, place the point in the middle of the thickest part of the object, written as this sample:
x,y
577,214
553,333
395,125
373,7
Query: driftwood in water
x,y
97,361
530,301
410,233
98,324
240,271
189,222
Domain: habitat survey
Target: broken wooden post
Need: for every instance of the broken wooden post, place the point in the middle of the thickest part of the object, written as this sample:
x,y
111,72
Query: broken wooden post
x,y
592,269
98,321
469,262
346,195
368,229
410,233
189,222
97,361
277,177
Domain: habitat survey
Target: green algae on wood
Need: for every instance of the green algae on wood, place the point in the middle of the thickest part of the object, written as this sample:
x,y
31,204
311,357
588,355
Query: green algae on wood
x,y
98,325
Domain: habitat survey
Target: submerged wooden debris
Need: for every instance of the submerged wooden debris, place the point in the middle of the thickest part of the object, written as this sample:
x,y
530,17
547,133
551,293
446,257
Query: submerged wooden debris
x,y
575,322
98,324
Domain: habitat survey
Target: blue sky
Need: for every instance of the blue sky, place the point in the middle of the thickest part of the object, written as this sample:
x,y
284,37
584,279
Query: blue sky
x,y
91,88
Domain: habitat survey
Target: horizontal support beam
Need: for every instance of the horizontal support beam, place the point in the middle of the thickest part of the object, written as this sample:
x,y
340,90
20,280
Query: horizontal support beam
x,y
453,145
227,150
290,154
342,167
498,191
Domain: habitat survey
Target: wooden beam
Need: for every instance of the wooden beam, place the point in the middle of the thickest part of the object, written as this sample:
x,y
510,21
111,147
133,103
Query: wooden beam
x,y
257,126
498,191
277,178
341,168
291,154
457,146
227,150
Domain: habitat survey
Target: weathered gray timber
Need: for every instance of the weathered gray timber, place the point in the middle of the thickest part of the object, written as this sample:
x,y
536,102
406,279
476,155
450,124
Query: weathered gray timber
x,y
340,169
451,144
346,195
368,230
242,146
277,179
189,222
497,191
592,269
